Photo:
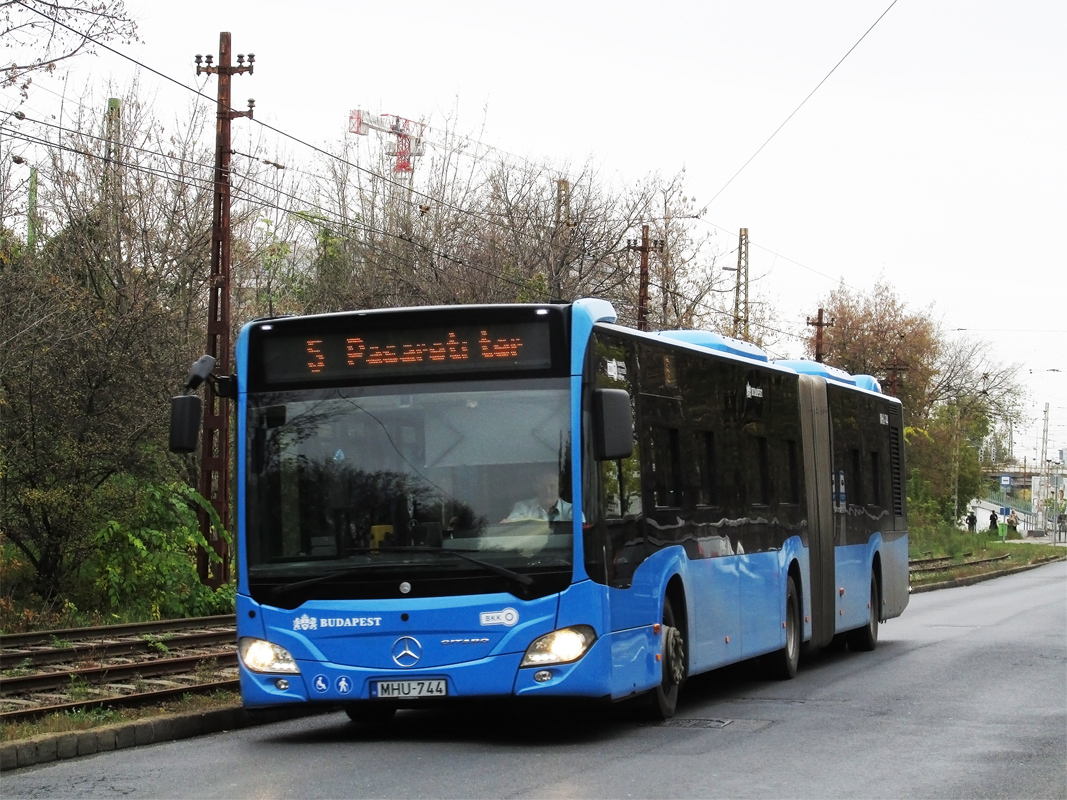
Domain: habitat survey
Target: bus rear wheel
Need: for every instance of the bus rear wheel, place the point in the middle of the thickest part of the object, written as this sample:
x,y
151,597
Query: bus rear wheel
x,y
865,639
661,702
783,663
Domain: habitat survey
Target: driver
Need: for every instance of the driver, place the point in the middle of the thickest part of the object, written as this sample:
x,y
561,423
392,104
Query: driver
x,y
548,505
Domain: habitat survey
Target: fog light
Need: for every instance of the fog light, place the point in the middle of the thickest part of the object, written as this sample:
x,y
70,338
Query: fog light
x,y
542,675
282,684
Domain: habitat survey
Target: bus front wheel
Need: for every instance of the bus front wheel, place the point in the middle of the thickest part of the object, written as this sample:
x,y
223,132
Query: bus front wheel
x,y
662,701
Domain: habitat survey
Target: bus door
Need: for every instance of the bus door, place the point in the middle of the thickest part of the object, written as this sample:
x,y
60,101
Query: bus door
x,y
815,429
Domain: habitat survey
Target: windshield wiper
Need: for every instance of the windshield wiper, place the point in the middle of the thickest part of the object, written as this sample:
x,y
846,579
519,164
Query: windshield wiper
x,y
518,577
284,589
281,591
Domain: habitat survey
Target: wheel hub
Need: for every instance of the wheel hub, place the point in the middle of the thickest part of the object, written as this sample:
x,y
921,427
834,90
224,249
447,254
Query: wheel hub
x,y
674,654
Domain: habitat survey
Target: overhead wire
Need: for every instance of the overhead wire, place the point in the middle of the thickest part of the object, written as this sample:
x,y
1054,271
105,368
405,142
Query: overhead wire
x,y
239,191
157,172
795,110
299,203
267,126
416,193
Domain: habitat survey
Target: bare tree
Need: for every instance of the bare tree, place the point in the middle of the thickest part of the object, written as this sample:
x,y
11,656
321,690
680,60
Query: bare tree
x,y
39,34
684,280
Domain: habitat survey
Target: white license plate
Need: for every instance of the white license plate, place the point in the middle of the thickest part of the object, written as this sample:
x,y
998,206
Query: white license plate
x,y
401,690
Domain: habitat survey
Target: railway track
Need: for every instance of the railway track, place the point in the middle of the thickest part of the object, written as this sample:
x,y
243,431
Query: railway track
x,y
923,565
115,666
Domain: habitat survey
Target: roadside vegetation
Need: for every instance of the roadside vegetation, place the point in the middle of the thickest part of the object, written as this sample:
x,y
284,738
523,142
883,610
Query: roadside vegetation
x,y
963,548
83,720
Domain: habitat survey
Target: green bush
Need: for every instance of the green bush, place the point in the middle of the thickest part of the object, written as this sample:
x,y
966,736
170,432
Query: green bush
x,y
144,567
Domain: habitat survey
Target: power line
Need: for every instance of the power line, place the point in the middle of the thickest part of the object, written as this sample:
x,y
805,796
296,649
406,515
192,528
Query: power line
x,y
94,137
343,227
483,217
795,110
299,203
488,219
158,172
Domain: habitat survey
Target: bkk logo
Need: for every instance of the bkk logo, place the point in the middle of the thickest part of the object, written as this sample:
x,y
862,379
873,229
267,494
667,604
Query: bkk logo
x,y
508,617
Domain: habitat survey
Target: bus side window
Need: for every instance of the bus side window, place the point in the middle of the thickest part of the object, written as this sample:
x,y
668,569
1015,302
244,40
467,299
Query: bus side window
x,y
704,466
666,467
609,477
876,479
621,488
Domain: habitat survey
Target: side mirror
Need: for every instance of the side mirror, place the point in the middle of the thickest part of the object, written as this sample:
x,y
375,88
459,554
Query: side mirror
x,y
199,372
185,413
613,425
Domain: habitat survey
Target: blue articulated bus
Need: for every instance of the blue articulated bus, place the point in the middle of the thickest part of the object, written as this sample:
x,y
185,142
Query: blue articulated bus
x,y
531,501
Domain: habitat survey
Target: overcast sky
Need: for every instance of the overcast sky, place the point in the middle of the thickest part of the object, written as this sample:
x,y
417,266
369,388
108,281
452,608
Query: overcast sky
x,y
933,156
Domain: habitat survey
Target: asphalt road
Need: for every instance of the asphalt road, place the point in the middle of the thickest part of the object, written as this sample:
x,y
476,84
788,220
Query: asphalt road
x,y
966,696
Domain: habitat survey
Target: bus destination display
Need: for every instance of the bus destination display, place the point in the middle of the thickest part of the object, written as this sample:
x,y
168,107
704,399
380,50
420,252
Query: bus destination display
x,y
333,355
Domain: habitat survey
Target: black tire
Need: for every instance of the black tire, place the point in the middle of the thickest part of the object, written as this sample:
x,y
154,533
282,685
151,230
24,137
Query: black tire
x,y
783,663
661,702
865,639
371,713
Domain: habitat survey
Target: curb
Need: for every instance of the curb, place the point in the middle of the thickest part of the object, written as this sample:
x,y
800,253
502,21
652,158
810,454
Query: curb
x,y
167,728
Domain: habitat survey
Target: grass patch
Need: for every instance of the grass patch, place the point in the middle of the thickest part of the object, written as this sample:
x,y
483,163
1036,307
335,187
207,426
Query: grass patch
x,y
157,642
86,719
947,542
24,667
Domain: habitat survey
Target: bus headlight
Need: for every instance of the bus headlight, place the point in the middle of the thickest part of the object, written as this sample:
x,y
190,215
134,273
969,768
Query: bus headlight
x,y
262,656
559,647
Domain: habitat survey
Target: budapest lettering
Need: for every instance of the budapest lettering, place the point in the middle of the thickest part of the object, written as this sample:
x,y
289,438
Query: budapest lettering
x,y
307,623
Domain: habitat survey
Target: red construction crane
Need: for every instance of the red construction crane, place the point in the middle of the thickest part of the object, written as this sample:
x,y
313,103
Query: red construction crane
x,y
408,134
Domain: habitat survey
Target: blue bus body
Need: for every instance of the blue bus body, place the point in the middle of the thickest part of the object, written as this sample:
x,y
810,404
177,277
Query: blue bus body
x,y
379,566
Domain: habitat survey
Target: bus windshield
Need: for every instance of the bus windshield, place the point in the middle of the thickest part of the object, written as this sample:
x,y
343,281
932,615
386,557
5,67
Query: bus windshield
x,y
366,483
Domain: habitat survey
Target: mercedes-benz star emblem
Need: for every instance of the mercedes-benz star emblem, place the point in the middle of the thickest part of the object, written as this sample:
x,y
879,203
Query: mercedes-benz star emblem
x,y
407,651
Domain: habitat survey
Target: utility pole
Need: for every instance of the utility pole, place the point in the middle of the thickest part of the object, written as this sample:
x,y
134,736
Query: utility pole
x,y
559,252
31,213
819,325
642,292
1047,510
893,372
741,310
563,204
112,128
215,443
113,181
956,465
